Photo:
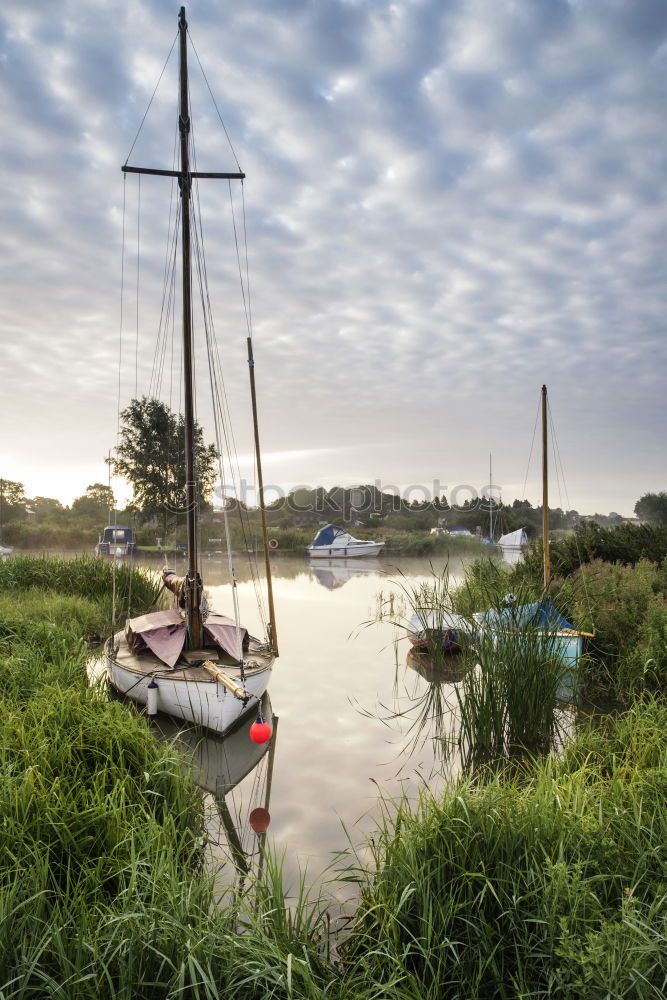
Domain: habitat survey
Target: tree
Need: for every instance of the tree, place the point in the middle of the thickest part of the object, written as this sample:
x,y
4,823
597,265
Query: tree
x,y
46,507
151,456
652,507
95,504
12,501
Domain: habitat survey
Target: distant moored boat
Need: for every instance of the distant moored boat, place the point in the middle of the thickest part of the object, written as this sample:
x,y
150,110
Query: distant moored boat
x,y
332,542
117,540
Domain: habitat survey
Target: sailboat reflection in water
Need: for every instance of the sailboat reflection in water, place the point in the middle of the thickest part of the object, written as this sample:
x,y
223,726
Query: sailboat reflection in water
x,y
220,765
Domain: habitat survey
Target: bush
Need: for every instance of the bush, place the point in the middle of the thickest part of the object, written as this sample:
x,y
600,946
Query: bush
x,y
626,543
624,606
423,544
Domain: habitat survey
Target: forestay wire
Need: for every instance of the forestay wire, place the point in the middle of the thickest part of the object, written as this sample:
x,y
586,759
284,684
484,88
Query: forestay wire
x,y
558,464
530,454
141,124
222,417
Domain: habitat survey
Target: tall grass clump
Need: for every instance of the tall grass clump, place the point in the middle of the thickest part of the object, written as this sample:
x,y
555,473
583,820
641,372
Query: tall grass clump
x,y
85,576
511,675
41,641
509,694
97,825
421,543
103,886
550,884
486,582
626,607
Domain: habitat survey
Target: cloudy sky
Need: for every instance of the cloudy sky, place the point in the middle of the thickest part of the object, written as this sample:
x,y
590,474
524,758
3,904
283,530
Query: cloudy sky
x,y
448,203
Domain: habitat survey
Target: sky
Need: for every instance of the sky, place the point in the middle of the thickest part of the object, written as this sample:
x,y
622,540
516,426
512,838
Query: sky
x,y
447,204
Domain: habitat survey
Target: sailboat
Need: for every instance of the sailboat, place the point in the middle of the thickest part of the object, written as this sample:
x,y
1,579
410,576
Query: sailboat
x,y
191,662
564,641
513,545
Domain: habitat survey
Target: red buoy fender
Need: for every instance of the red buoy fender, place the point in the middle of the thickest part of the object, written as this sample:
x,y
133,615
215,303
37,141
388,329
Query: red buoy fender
x,y
260,731
273,543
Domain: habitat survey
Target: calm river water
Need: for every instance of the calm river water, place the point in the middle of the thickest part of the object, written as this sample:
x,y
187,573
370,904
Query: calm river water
x,y
350,710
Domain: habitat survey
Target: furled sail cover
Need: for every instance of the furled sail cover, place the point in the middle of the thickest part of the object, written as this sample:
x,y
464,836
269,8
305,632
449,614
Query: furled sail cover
x,y
518,538
227,635
161,632
540,615
326,536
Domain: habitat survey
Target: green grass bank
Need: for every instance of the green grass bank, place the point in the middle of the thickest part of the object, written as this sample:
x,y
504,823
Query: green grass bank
x,y
542,880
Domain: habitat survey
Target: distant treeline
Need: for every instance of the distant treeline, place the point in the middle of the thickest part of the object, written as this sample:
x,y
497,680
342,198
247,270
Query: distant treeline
x,y
44,522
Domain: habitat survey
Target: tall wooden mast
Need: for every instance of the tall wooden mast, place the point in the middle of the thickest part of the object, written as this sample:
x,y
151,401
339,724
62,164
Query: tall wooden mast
x,y
545,489
193,582
184,175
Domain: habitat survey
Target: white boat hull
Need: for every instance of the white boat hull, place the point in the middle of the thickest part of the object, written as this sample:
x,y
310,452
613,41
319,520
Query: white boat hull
x,y
345,551
218,764
204,702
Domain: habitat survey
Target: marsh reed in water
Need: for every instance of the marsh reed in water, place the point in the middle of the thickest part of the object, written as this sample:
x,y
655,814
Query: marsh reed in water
x,y
501,693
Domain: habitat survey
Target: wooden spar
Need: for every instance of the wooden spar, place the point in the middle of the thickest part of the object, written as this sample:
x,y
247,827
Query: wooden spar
x,y
545,489
237,690
177,173
273,635
193,590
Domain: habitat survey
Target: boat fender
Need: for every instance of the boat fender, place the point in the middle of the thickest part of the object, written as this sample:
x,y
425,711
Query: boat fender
x,y
152,696
273,543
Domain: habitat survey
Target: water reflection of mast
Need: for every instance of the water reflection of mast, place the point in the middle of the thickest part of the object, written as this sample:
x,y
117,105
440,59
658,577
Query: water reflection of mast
x,y
261,836
236,847
241,857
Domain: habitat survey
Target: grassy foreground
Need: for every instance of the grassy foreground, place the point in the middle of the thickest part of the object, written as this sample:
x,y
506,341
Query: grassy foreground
x,y
550,882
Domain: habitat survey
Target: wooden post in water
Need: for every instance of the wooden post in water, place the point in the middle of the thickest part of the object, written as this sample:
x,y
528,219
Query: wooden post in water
x,y
545,489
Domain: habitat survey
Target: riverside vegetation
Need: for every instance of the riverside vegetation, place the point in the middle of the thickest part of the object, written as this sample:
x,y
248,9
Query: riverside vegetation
x,y
148,455
543,877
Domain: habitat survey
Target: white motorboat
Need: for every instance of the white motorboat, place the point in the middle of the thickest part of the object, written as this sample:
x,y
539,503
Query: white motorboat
x,y
332,542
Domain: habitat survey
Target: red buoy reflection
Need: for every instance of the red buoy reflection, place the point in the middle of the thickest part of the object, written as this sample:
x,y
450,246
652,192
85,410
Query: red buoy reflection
x,y
259,819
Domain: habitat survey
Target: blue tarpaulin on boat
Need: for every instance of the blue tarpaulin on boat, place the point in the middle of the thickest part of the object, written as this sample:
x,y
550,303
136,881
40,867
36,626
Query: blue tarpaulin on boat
x,y
542,614
327,535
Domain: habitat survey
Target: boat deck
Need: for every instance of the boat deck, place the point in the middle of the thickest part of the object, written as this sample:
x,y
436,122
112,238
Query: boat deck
x,y
257,659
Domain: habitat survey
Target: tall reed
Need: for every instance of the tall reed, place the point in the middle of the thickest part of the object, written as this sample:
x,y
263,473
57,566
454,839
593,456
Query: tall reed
x,y
84,576
508,678
549,884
